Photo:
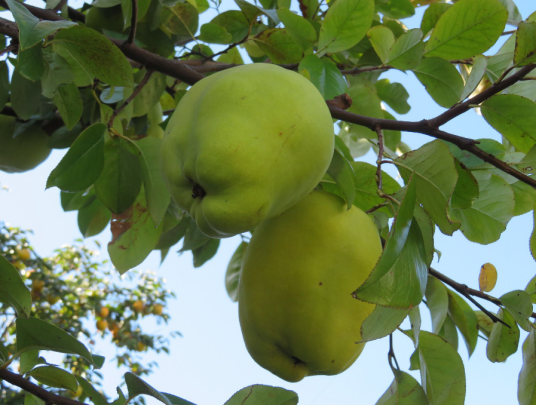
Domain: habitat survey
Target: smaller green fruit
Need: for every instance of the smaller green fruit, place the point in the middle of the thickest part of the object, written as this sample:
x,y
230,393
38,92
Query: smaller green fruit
x,y
23,152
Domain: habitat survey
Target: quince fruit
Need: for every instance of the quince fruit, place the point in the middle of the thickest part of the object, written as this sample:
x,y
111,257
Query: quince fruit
x,y
23,152
138,306
245,145
297,313
102,325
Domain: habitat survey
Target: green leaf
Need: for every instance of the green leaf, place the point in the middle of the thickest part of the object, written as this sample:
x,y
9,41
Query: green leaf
x,y
206,252
279,45
485,324
449,332
394,94
157,194
30,399
487,218
427,228
251,11
232,56
405,390
365,102
96,397
194,238
69,103
431,16
438,302
25,96
326,77
514,17
466,190
399,278
121,178
182,19
514,117
171,234
503,341
30,62
76,201
299,28
13,291
83,163
232,275
136,386
526,391
442,80
468,28
214,34
345,24
519,304
31,29
525,52
263,395
465,319
524,196
477,73
341,170
28,360
150,94
395,8
134,235
442,370
406,52
93,218
382,322
54,377
234,22
436,177
87,46
366,196
62,138
35,334
57,71
382,39
175,400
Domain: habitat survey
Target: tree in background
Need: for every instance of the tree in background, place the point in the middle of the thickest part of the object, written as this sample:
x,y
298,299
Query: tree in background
x,y
110,113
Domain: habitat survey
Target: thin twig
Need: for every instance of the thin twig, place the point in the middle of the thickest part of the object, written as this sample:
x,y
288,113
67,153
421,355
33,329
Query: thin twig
x,y
469,292
509,32
36,390
378,130
133,22
136,91
391,354
8,49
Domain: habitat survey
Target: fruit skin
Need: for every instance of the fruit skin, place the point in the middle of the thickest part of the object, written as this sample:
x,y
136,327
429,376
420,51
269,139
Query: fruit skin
x,y
52,299
102,325
245,145
24,152
138,306
104,312
297,314
157,309
24,254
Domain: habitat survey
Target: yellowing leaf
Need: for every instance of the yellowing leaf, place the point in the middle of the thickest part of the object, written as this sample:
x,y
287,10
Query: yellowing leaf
x,y
487,278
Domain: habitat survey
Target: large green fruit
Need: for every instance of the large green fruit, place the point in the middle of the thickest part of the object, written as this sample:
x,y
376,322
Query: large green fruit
x,y
245,145
297,314
24,152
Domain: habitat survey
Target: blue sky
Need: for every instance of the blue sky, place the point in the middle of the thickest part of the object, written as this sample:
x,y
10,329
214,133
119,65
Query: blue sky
x,y
210,362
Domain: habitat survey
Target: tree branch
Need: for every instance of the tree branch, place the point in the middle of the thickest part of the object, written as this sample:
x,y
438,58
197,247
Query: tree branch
x,y
424,127
133,22
36,390
479,98
468,292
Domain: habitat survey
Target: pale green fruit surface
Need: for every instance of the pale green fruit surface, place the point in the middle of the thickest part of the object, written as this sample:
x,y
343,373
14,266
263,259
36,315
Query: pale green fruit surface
x,y
245,145
297,314
24,152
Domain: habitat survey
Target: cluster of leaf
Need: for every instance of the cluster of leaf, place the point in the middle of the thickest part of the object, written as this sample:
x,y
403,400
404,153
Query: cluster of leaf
x,y
69,290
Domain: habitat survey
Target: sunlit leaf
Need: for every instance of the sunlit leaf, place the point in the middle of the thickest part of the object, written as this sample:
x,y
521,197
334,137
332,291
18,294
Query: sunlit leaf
x,y
13,291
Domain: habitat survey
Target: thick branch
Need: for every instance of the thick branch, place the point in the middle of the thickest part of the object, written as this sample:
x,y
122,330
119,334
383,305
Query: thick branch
x,y
36,390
